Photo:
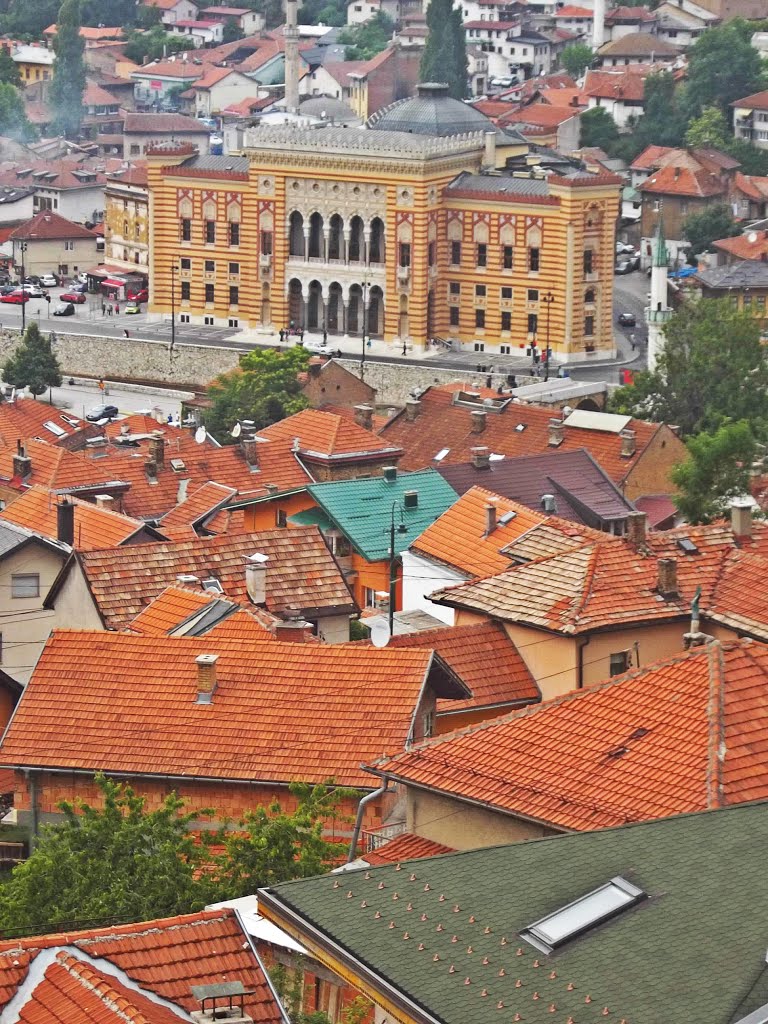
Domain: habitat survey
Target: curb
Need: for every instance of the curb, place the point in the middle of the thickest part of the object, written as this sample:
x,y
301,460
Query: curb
x,y
144,389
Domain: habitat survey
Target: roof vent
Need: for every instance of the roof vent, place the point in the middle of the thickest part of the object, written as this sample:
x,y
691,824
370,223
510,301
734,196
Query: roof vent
x,y
187,579
411,499
390,473
555,433
481,458
741,518
548,503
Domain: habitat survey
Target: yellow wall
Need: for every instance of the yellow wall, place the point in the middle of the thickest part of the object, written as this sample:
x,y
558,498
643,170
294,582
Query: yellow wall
x,y
263,516
34,72
126,226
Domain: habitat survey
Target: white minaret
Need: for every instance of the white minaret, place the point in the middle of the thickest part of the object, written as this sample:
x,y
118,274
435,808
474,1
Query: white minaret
x,y
598,24
291,33
658,311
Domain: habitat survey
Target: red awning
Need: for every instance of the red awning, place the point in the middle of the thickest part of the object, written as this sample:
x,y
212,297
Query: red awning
x,y
112,282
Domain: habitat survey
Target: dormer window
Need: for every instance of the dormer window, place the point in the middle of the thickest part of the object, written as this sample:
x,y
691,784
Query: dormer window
x,y
587,912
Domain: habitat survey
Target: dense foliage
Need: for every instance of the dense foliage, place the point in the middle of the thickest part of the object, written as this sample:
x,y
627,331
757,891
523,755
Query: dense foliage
x,y
33,365
68,71
362,42
576,58
701,229
716,470
445,54
154,44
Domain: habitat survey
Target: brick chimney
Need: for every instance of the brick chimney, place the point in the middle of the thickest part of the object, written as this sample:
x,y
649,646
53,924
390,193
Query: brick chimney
x,y
250,449
741,519
293,629
314,367
256,577
150,468
478,417
490,519
637,528
628,444
65,522
157,447
105,501
555,432
666,583
22,464
364,416
481,457
412,409
206,677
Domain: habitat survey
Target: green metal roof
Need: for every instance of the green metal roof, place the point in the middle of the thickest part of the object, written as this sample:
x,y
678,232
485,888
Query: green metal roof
x,y
312,517
362,509
693,951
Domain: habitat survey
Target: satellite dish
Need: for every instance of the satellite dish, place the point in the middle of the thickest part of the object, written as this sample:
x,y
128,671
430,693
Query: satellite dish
x,y
200,435
236,430
752,237
380,634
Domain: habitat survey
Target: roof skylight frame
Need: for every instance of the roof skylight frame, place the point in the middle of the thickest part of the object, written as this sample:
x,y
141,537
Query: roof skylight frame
x,y
588,911
441,455
212,585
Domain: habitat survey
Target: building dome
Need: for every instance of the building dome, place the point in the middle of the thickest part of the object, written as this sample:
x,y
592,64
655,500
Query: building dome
x,y
431,112
328,109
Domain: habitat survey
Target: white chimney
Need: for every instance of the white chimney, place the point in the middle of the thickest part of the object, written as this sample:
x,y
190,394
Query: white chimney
x,y
256,577
105,501
741,518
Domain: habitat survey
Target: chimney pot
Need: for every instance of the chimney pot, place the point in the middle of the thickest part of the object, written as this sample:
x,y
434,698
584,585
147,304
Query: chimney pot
x,y
364,416
150,468
314,367
637,528
105,501
157,447
65,522
667,577
256,577
478,421
481,457
293,629
22,464
490,519
741,519
548,503
206,677
412,409
249,448
390,473
556,435
628,444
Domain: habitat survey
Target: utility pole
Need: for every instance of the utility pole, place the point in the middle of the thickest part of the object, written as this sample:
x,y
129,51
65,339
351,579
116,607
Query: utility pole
x,y
365,320
549,298
22,250
402,528
173,304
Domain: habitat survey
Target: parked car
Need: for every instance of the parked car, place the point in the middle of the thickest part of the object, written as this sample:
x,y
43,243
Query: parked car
x,y
33,291
102,412
142,295
82,278
15,298
320,348
623,248
64,309
622,267
78,286
6,289
132,307
627,320
77,297
31,279
49,281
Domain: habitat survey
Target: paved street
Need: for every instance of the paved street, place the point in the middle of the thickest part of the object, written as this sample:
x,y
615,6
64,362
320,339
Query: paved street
x,y
81,398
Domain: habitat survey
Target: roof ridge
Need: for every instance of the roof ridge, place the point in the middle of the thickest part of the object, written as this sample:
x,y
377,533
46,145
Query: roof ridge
x,y
586,590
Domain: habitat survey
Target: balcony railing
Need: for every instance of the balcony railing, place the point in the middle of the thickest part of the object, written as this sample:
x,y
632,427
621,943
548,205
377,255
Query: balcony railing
x,y
373,838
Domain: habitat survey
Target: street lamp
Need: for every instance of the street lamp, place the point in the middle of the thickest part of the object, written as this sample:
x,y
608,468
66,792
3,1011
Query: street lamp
x,y
401,528
173,303
366,283
22,250
549,298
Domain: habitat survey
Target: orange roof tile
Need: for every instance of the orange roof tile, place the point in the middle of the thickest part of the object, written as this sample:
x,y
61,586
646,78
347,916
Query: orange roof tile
x,y
280,712
58,469
751,246
165,957
635,747
25,417
618,83
95,527
442,423
301,572
755,101
459,537
484,657
178,606
324,435
682,181
540,115
204,501
404,847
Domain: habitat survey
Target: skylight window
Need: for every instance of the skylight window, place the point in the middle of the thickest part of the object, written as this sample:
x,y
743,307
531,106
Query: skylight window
x,y
687,546
213,584
590,910
521,427
441,455
178,465
507,518
55,428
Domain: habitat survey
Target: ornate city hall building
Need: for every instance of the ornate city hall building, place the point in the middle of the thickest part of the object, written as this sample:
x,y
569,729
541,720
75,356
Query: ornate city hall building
x,y
407,230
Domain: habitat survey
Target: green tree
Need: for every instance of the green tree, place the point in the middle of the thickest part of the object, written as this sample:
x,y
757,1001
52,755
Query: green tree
x,y
68,71
576,58
231,31
362,42
752,159
709,129
9,69
716,470
122,863
701,229
33,364
312,12
445,54
722,66
23,19
265,388
713,368
13,119
154,43
598,129
271,846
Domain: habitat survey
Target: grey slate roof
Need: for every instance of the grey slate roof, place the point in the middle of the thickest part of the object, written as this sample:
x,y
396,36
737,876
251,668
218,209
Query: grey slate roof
x,y
691,951
583,493
500,183
13,537
220,163
744,274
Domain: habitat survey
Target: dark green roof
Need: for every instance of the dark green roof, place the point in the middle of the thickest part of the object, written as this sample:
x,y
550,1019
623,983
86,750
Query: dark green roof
x,y
693,951
362,509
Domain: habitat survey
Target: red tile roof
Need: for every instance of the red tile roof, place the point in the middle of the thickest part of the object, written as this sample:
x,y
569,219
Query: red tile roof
x,y
651,157
682,181
280,712
48,226
635,747
163,957
442,423
572,11
324,435
65,173
95,527
751,246
301,572
163,123
26,417
406,846
629,14
755,101
56,468
203,501
541,115
484,657
617,83
177,608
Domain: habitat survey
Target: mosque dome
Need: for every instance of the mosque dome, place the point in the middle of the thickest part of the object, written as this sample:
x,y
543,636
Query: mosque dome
x,y
328,109
431,112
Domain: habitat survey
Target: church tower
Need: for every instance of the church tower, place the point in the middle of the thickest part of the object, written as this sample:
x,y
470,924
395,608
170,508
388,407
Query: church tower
x,y
291,33
658,311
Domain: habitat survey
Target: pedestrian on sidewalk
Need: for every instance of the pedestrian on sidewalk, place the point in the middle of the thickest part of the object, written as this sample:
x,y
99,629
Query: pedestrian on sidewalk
x,y
126,333
282,335
109,309
325,335
405,349
103,308
117,307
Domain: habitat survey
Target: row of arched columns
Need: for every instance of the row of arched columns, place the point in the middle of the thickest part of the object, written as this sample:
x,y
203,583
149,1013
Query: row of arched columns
x,y
335,240
337,309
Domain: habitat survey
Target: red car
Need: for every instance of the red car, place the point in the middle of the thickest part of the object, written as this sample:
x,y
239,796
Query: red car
x,y
72,297
16,298
140,296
